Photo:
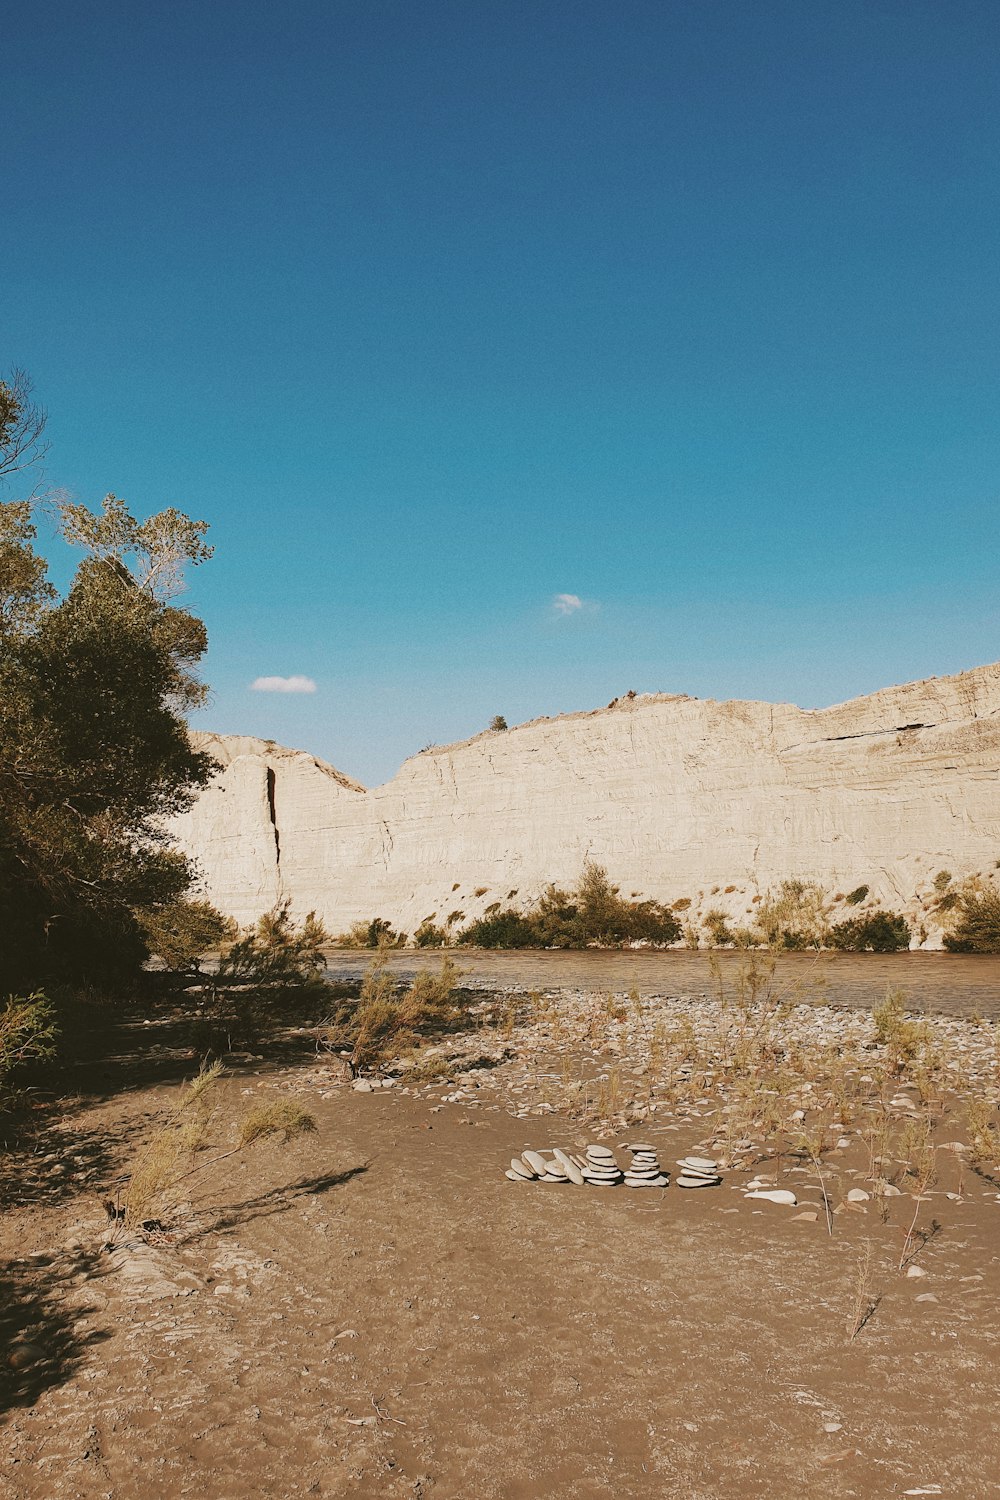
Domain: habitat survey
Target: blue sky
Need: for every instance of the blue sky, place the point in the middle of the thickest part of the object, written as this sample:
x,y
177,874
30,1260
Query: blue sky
x,y
437,311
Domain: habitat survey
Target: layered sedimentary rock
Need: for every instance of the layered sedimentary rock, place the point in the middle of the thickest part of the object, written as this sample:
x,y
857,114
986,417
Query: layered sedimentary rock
x,y
674,795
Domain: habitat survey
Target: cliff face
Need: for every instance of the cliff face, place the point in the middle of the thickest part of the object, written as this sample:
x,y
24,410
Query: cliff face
x,y
674,795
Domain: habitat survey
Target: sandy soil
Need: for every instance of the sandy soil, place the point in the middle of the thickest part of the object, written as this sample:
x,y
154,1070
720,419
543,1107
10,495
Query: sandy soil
x,y
377,1311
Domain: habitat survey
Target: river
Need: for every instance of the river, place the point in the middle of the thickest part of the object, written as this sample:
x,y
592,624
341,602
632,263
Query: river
x,y
942,983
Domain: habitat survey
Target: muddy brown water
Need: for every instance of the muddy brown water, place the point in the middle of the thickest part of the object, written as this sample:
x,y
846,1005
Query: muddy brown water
x,y
941,983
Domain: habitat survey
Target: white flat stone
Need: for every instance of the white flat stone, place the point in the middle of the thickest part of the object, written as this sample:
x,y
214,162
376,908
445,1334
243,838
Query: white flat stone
x,y
521,1169
573,1174
700,1163
858,1195
514,1176
685,1181
776,1195
535,1161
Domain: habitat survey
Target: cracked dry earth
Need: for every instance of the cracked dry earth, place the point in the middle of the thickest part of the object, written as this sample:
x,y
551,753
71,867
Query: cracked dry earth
x,y
395,1318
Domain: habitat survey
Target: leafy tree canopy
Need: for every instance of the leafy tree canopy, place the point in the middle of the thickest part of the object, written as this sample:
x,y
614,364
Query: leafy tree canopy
x,y
94,751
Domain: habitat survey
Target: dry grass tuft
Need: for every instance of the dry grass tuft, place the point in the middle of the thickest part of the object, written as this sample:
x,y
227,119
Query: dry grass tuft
x,y
282,1117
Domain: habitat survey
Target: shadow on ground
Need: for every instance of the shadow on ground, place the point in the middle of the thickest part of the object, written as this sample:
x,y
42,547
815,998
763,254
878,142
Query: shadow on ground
x,y
275,1201
41,1335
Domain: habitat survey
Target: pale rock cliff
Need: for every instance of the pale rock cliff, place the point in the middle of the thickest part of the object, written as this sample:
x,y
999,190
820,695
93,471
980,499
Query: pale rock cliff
x,y
676,796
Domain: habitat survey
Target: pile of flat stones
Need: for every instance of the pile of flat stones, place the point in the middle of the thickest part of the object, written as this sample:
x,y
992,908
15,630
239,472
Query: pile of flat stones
x,y
698,1171
599,1167
645,1169
558,1166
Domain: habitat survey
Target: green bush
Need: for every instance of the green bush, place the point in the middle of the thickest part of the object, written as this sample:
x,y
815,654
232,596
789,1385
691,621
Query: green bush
x,y
880,932
977,929
594,914
181,933
504,929
27,1035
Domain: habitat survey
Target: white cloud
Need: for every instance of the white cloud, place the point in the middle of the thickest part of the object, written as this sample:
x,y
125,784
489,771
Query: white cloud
x,y
567,604
283,685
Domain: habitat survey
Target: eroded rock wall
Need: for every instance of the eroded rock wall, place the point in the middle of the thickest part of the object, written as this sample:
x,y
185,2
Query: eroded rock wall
x,y
675,795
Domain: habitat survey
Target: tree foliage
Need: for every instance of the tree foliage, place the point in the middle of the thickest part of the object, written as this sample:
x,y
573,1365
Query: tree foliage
x,y
94,751
977,924
180,933
22,424
878,932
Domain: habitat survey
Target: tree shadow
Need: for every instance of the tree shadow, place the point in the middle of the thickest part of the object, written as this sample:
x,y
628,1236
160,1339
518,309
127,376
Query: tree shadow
x,y
265,1205
49,1163
41,1338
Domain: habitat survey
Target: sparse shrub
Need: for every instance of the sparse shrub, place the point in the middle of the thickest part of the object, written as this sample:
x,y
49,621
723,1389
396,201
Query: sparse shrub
x,y
270,966
186,1144
276,952
855,897
901,1037
942,880
794,916
984,1134
717,926
977,928
498,723
681,904
428,935
27,1035
181,933
387,1018
375,933
881,932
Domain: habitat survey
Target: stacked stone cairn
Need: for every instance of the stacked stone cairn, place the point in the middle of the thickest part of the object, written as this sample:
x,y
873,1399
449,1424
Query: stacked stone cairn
x,y
644,1170
601,1168
698,1171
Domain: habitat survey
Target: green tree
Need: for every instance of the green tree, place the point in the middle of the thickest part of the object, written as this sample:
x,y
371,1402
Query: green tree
x,y
94,750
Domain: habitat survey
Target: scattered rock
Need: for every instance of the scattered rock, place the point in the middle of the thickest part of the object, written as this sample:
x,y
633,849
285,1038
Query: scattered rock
x,y
23,1356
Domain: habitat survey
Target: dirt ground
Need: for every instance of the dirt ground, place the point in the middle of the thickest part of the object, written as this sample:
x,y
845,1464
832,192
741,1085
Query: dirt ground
x,y
376,1311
